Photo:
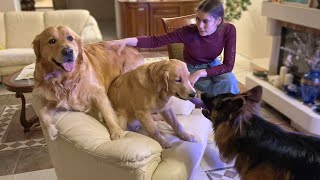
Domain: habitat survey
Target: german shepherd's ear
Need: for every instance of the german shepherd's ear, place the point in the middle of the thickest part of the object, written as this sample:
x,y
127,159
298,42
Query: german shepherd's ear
x,y
206,113
36,47
254,94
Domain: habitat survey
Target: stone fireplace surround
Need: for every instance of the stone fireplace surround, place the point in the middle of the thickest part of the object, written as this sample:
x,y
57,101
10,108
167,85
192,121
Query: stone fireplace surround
x,y
302,117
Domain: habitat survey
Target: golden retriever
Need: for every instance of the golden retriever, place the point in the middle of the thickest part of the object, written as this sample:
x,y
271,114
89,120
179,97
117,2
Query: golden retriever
x,y
76,77
138,94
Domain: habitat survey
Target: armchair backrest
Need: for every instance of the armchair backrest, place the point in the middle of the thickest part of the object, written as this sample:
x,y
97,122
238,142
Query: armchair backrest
x,y
169,24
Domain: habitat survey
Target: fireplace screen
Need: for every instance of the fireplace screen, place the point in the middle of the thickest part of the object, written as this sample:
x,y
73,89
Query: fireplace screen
x,y
300,51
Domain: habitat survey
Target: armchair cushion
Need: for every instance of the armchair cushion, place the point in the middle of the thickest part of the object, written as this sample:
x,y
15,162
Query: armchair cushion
x,y
181,107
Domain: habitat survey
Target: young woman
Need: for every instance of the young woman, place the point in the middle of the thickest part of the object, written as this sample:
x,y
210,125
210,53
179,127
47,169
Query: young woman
x,y
203,43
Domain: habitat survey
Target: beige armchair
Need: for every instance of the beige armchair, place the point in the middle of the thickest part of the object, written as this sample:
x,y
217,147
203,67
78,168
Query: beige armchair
x,y
83,149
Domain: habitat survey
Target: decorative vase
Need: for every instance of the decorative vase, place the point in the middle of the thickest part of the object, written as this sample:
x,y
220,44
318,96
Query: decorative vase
x,y
310,85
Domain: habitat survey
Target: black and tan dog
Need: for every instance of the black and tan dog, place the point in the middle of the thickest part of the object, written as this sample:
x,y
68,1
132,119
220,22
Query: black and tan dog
x,y
261,149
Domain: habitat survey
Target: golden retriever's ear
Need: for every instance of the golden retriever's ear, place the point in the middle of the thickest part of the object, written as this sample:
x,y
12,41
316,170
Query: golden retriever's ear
x,y
166,79
157,74
80,47
36,46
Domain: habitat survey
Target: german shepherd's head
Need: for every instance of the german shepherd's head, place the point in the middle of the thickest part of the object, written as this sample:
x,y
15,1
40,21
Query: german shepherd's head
x,y
229,114
232,109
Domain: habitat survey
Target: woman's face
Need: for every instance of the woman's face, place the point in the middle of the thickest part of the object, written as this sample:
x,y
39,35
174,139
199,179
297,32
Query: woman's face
x,y
206,23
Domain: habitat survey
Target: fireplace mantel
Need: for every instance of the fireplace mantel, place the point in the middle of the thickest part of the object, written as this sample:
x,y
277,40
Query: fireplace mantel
x,y
302,117
299,15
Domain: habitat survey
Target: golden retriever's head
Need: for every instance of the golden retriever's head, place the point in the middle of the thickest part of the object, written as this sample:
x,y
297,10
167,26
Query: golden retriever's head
x,y
172,76
58,48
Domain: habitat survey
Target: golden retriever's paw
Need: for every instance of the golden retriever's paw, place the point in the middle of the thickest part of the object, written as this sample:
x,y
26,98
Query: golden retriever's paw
x,y
52,132
164,144
188,137
116,134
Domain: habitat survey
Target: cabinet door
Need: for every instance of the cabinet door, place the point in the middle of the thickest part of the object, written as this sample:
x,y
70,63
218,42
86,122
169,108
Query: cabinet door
x,y
189,8
135,18
159,10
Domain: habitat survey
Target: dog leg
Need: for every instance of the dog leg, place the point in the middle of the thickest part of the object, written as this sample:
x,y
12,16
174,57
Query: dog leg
x,y
149,125
45,115
169,116
102,102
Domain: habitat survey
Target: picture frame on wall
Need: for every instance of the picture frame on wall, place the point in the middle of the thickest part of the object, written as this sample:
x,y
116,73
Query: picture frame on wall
x,y
297,2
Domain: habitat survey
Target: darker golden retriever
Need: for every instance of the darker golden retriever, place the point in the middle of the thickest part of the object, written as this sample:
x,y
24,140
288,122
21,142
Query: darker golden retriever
x,y
76,77
146,90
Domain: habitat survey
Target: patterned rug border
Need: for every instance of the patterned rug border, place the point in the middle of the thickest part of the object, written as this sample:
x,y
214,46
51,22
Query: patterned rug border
x,y
5,119
223,173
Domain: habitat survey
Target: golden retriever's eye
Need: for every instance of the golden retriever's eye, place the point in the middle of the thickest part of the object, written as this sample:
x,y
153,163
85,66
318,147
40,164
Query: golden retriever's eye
x,y
179,80
70,38
52,41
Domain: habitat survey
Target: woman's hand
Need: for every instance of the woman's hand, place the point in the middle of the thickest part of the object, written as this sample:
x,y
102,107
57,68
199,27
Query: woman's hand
x,y
194,77
121,43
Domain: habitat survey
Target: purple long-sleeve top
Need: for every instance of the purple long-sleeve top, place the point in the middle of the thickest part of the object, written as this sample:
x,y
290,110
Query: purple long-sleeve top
x,y
199,49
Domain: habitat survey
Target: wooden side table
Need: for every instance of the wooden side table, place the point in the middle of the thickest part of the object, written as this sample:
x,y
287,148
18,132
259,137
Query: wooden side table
x,y
20,87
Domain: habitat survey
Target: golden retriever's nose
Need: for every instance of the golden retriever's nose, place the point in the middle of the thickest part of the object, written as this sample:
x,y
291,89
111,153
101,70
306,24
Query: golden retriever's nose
x,y
192,94
67,52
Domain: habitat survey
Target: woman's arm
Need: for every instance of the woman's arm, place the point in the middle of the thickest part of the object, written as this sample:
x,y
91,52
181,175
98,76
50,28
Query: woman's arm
x,y
124,42
229,54
176,36
194,77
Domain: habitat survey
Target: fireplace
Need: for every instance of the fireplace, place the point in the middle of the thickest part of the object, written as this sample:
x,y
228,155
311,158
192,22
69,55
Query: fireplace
x,y
299,49
289,25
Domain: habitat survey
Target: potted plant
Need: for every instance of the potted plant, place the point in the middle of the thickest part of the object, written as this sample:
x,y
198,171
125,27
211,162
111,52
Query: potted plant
x,y
234,8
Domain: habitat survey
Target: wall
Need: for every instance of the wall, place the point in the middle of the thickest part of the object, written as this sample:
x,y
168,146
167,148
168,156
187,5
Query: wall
x,y
10,5
100,9
252,39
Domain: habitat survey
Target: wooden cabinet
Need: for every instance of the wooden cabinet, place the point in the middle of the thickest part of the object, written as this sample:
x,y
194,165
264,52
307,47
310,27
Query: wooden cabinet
x,y
143,17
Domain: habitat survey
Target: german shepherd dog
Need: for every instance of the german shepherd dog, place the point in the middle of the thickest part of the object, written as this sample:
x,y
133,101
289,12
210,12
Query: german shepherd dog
x,y
261,150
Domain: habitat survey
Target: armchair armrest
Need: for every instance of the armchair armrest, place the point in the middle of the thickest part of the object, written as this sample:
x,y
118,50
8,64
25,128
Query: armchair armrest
x,y
89,135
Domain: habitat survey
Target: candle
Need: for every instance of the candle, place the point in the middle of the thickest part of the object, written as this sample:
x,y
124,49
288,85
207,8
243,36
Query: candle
x,y
276,81
288,79
283,72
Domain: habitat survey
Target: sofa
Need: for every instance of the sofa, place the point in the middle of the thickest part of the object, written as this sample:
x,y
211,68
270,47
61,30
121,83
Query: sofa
x,y
18,30
83,149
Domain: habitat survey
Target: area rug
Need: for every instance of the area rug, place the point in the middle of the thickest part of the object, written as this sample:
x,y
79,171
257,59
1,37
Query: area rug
x,y
227,173
11,131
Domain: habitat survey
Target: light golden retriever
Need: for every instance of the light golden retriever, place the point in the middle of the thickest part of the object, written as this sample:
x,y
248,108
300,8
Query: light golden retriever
x,y
138,94
76,77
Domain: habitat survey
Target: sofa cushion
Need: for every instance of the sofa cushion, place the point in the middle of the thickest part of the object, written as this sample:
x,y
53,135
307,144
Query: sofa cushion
x,y
2,31
16,57
75,19
22,28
